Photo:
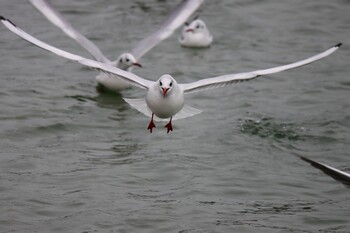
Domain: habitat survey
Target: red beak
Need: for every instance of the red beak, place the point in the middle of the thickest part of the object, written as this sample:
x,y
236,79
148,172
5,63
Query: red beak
x,y
165,90
190,30
136,64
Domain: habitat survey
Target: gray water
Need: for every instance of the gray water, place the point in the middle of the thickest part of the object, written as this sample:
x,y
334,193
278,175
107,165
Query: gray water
x,y
76,160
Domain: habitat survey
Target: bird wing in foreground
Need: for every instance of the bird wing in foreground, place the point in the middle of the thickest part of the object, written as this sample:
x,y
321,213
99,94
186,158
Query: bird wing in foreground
x,y
12,27
200,85
177,18
57,19
231,79
337,174
124,75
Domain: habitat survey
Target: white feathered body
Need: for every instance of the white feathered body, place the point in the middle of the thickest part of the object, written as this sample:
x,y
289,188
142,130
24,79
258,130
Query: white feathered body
x,y
195,34
112,82
165,106
196,39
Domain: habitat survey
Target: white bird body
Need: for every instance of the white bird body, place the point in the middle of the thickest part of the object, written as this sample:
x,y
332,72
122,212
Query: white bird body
x,y
112,82
165,97
126,60
165,106
195,34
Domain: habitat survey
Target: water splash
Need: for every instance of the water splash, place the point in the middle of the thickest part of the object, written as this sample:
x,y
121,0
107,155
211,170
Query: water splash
x,y
267,127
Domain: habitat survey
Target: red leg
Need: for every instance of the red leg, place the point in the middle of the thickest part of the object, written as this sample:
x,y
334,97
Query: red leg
x,y
169,126
151,124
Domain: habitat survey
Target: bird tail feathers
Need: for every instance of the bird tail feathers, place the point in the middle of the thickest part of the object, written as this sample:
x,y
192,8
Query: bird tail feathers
x,y
141,106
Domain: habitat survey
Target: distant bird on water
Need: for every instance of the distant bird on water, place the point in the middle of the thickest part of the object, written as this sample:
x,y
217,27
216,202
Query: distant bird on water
x,y
195,34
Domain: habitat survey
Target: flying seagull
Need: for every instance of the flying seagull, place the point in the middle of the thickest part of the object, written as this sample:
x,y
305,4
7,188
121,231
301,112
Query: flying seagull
x,y
126,60
195,34
165,97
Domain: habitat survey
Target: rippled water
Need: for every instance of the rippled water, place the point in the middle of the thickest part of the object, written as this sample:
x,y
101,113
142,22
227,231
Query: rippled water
x,y
75,160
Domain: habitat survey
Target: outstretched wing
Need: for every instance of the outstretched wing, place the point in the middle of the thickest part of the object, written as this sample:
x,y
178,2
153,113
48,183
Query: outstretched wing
x,y
57,19
177,18
231,79
104,67
12,27
337,174
131,78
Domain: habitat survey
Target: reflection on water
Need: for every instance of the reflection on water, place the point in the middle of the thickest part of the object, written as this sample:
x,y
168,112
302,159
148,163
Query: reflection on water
x,y
119,154
104,99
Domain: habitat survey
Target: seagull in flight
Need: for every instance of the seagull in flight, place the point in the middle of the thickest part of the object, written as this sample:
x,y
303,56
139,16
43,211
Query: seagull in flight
x,y
126,60
165,98
195,34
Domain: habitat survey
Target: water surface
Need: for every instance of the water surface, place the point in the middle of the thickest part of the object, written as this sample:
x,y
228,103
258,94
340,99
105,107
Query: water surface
x,y
76,160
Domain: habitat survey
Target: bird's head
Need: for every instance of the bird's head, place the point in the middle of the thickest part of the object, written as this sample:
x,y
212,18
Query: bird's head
x,y
127,60
196,26
166,83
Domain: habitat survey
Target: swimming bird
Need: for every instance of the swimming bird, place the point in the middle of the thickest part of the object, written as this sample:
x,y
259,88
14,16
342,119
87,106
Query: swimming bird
x,y
165,97
129,59
195,34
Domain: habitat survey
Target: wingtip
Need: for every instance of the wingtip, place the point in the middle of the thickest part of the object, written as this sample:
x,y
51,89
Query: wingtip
x,y
2,18
338,45
305,159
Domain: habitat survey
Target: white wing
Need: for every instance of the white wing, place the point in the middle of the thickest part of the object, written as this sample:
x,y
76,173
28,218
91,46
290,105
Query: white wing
x,y
131,78
124,75
231,79
177,18
56,18
12,27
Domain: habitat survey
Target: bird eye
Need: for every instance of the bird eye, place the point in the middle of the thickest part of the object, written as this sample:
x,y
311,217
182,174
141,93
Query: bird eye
x,y
171,84
121,60
160,83
127,60
198,26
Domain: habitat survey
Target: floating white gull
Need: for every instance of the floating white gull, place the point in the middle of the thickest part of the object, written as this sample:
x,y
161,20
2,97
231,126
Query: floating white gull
x,y
195,34
126,60
165,97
